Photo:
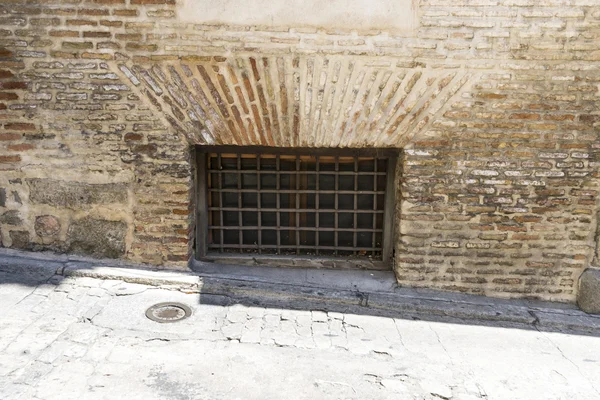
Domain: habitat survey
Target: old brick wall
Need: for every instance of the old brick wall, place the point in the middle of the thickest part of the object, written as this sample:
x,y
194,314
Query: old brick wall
x,y
495,103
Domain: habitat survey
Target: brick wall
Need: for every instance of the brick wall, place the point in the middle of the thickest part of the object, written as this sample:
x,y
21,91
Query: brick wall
x,y
494,102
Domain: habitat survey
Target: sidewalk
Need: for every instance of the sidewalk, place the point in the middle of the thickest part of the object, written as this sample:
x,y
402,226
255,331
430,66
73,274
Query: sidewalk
x,y
71,329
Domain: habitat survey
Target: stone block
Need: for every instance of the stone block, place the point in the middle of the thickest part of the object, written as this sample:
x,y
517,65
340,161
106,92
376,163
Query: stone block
x,y
2,197
11,217
97,238
47,225
20,240
588,297
70,194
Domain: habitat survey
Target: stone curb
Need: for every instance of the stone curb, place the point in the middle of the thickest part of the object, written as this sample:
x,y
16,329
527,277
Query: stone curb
x,y
326,299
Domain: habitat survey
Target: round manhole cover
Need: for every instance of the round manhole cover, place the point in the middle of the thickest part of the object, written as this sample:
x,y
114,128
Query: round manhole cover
x,y
168,312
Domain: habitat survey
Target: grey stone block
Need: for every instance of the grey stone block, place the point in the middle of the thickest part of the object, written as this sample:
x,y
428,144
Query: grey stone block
x,y
97,238
69,194
11,217
588,297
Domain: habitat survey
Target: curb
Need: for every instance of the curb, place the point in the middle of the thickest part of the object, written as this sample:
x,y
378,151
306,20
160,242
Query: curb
x,y
440,307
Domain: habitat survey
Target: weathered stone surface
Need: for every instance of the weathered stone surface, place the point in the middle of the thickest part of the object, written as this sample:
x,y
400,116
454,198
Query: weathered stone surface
x,y
70,194
11,217
588,297
97,238
47,225
20,239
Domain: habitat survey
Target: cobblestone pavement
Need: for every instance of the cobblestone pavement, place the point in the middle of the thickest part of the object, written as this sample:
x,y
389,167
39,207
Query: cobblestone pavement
x,y
84,338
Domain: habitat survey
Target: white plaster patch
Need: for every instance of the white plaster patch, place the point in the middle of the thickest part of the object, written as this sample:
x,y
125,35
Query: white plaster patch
x,y
392,15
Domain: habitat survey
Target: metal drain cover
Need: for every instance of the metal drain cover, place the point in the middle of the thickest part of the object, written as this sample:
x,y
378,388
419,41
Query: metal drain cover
x,y
168,312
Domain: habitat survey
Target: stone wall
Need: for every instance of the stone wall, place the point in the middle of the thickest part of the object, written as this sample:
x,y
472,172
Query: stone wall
x,y
494,102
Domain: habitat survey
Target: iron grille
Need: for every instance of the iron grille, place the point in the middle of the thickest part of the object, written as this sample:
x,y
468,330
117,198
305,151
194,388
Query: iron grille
x,y
300,203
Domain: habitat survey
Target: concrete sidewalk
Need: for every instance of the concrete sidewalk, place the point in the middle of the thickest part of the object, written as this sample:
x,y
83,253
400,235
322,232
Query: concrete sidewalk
x,y
359,292
70,329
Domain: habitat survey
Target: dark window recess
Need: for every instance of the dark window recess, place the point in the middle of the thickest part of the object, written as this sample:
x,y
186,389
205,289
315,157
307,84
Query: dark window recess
x,y
296,203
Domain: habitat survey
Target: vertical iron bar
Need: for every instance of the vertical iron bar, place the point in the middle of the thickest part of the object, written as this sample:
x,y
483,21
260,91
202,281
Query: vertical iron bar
x,y
355,216
297,204
258,205
222,223
376,177
239,184
278,203
317,208
336,213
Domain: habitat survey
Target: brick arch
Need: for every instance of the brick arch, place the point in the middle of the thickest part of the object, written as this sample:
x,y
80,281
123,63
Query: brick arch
x,y
296,100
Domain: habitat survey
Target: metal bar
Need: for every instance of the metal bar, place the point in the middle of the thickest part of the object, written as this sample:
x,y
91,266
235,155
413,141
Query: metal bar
x,y
355,215
265,209
221,233
258,199
317,168
298,178
389,208
341,248
267,172
278,203
301,228
239,185
299,191
336,215
374,201
297,206
202,206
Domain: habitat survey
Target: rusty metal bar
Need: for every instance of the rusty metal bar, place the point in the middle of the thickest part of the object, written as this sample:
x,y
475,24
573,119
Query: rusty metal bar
x,y
341,217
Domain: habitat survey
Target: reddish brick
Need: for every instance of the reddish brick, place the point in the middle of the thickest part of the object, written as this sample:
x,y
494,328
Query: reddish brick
x,y
525,116
8,96
106,1
9,159
171,2
21,147
5,137
13,85
19,126
6,74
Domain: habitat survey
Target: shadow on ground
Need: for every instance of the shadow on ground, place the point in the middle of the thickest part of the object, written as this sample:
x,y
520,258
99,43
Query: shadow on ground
x,y
373,299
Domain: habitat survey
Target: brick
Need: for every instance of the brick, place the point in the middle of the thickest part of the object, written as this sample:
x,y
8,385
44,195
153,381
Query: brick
x,y
81,22
64,33
153,2
103,35
77,45
93,11
9,159
19,126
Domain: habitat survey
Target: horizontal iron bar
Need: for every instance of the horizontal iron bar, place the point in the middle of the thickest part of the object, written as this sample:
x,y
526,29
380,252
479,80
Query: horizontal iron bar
x,y
273,172
293,191
292,247
290,210
291,228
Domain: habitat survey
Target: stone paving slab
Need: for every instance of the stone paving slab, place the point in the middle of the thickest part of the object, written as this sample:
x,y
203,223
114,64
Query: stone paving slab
x,y
408,303
79,337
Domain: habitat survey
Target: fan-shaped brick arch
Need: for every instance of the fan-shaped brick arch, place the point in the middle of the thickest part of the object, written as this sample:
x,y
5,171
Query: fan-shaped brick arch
x,y
296,100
